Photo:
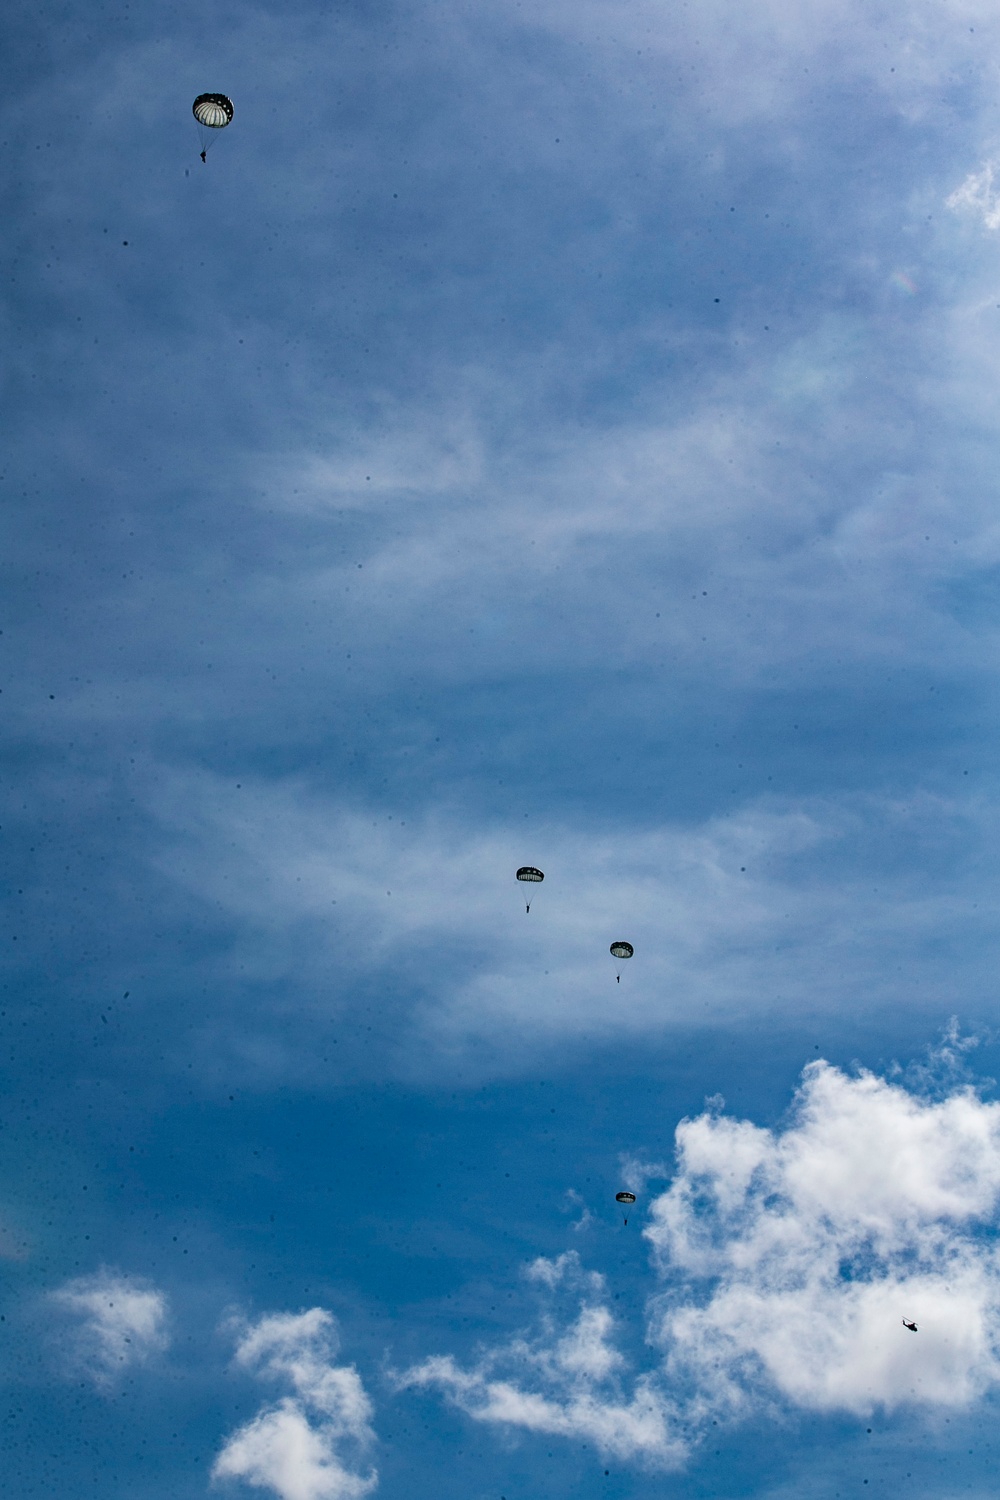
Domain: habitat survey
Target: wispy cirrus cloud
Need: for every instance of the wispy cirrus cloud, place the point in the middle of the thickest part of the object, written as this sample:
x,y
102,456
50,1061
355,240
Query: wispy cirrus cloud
x,y
301,1447
773,900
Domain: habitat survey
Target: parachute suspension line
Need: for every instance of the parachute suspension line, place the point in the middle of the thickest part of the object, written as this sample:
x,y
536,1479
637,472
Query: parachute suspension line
x,y
206,140
528,875
212,113
626,1200
620,950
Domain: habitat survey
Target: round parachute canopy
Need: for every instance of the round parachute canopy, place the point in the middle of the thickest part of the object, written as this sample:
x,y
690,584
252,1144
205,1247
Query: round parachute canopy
x,y
528,872
214,111
621,950
624,1197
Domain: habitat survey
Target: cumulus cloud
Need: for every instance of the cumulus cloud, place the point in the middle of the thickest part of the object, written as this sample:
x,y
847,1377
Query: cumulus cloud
x,y
297,1446
569,1381
787,1260
811,1243
120,1321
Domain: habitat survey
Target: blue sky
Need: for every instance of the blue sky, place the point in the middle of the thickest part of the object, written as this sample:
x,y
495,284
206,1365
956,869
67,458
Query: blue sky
x,y
561,435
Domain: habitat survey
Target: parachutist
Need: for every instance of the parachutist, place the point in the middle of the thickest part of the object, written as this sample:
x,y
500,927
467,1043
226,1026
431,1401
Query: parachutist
x,y
532,876
626,1200
212,112
621,950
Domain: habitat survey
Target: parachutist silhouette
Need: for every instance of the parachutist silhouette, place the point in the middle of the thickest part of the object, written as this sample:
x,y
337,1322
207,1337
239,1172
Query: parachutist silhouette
x,y
204,156
911,1326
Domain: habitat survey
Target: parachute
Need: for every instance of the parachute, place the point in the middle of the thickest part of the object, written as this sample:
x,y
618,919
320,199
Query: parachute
x,y
626,1198
621,950
532,876
212,112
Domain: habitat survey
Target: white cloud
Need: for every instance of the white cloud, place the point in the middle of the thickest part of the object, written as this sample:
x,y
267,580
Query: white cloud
x,y
730,492
795,1254
562,1269
979,195
569,1381
296,1447
787,1261
573,1201
282,1450
760,907
635,1171
120,1321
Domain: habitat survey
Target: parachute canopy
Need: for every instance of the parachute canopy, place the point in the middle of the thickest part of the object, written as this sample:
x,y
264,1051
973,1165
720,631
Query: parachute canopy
x,y
528,872
624,1197
214,111
621,950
